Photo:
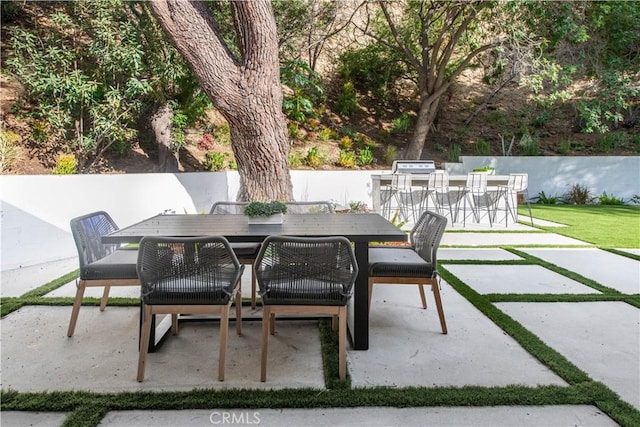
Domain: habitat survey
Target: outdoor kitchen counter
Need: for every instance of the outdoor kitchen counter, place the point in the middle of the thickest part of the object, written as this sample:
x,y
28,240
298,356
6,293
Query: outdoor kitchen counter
x,y
422,180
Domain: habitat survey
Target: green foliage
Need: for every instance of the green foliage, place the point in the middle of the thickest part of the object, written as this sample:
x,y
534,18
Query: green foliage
x,y
264,208
401,124
365,156
313,158
347,103
214,161
358,207
541,119
293,129
371,69
484,169
93,68
295,159
66,165
482,148
8,151
543,199
567,146
611,141
325,134
529,145
345,143
454,152
578,195
606,199
347,158
307,89
390,154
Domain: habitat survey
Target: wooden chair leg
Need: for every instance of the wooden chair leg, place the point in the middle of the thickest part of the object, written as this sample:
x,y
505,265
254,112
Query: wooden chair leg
x,y
342,342
253,287
224,331
370,292
174,324
335,320
144,344
422,296
77,302
436,295
105,297
238,304
272,323
266,316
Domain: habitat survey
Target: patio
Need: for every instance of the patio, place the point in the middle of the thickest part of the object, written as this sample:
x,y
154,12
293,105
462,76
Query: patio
x,y
489,370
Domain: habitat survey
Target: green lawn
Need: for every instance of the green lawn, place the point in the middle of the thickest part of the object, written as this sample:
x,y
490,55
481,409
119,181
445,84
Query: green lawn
x,y
605,226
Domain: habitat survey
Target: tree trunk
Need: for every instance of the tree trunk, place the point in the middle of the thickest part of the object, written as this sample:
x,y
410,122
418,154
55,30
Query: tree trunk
x,y
160,122
245,90
426,115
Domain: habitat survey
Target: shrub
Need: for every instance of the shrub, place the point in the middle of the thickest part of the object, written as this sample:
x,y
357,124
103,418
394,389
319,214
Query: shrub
x,y
264,208
483,148
606,199
66,165
213,161
206,142
306,86
578,195
612,140
8,151
313,158
529,145
345,143
390,154
543,199
294,130
295,159
347,159
454,153
347,104
401,124
365,157
325,134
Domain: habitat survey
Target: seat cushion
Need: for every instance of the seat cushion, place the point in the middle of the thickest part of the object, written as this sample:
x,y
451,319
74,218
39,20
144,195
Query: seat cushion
x,y
397,262
120,264
248,249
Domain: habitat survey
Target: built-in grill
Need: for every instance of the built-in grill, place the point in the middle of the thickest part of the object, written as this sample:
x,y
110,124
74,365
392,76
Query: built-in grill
x,y
423,167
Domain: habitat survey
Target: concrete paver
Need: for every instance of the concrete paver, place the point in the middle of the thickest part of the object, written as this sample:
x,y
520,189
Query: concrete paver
x,y
507,239
407,347
517,279
485,254
608,269
601,338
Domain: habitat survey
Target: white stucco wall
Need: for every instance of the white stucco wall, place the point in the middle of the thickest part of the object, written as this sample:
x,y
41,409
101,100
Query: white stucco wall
x,y
35,210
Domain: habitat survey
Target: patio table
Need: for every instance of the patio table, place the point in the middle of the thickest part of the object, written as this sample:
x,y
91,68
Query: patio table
x,y
358,228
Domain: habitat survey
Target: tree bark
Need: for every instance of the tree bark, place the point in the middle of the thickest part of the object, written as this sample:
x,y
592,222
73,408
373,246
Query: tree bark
x,y
246,90
161,129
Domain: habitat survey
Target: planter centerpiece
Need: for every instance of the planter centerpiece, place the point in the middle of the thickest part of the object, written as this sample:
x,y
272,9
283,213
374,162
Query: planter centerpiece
x,y
489,170
265,212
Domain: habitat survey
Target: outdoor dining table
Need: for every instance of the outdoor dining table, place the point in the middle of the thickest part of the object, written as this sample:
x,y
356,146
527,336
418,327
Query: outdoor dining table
x,y
361,229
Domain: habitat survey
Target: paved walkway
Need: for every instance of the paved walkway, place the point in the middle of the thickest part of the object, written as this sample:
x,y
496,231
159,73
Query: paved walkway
x,y
407,349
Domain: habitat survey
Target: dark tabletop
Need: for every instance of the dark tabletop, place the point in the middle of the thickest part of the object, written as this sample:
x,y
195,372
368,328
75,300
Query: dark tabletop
x,y
355,227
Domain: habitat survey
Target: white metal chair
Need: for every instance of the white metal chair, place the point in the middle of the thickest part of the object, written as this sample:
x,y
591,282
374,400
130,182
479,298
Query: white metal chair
x,y
479,197
517,184
443,197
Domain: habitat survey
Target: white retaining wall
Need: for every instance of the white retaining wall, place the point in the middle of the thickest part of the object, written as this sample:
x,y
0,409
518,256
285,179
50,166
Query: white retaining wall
x,y
36,209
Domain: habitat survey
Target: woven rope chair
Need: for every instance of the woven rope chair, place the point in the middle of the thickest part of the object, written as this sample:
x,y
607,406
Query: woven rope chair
x,y
309,207
305,276
100,264
412,265
192,275
245,251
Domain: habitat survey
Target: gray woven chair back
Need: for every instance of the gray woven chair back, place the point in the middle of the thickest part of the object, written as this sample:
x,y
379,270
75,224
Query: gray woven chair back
x,y
228,208
190,271
87,231
309,207
426,235
306,271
